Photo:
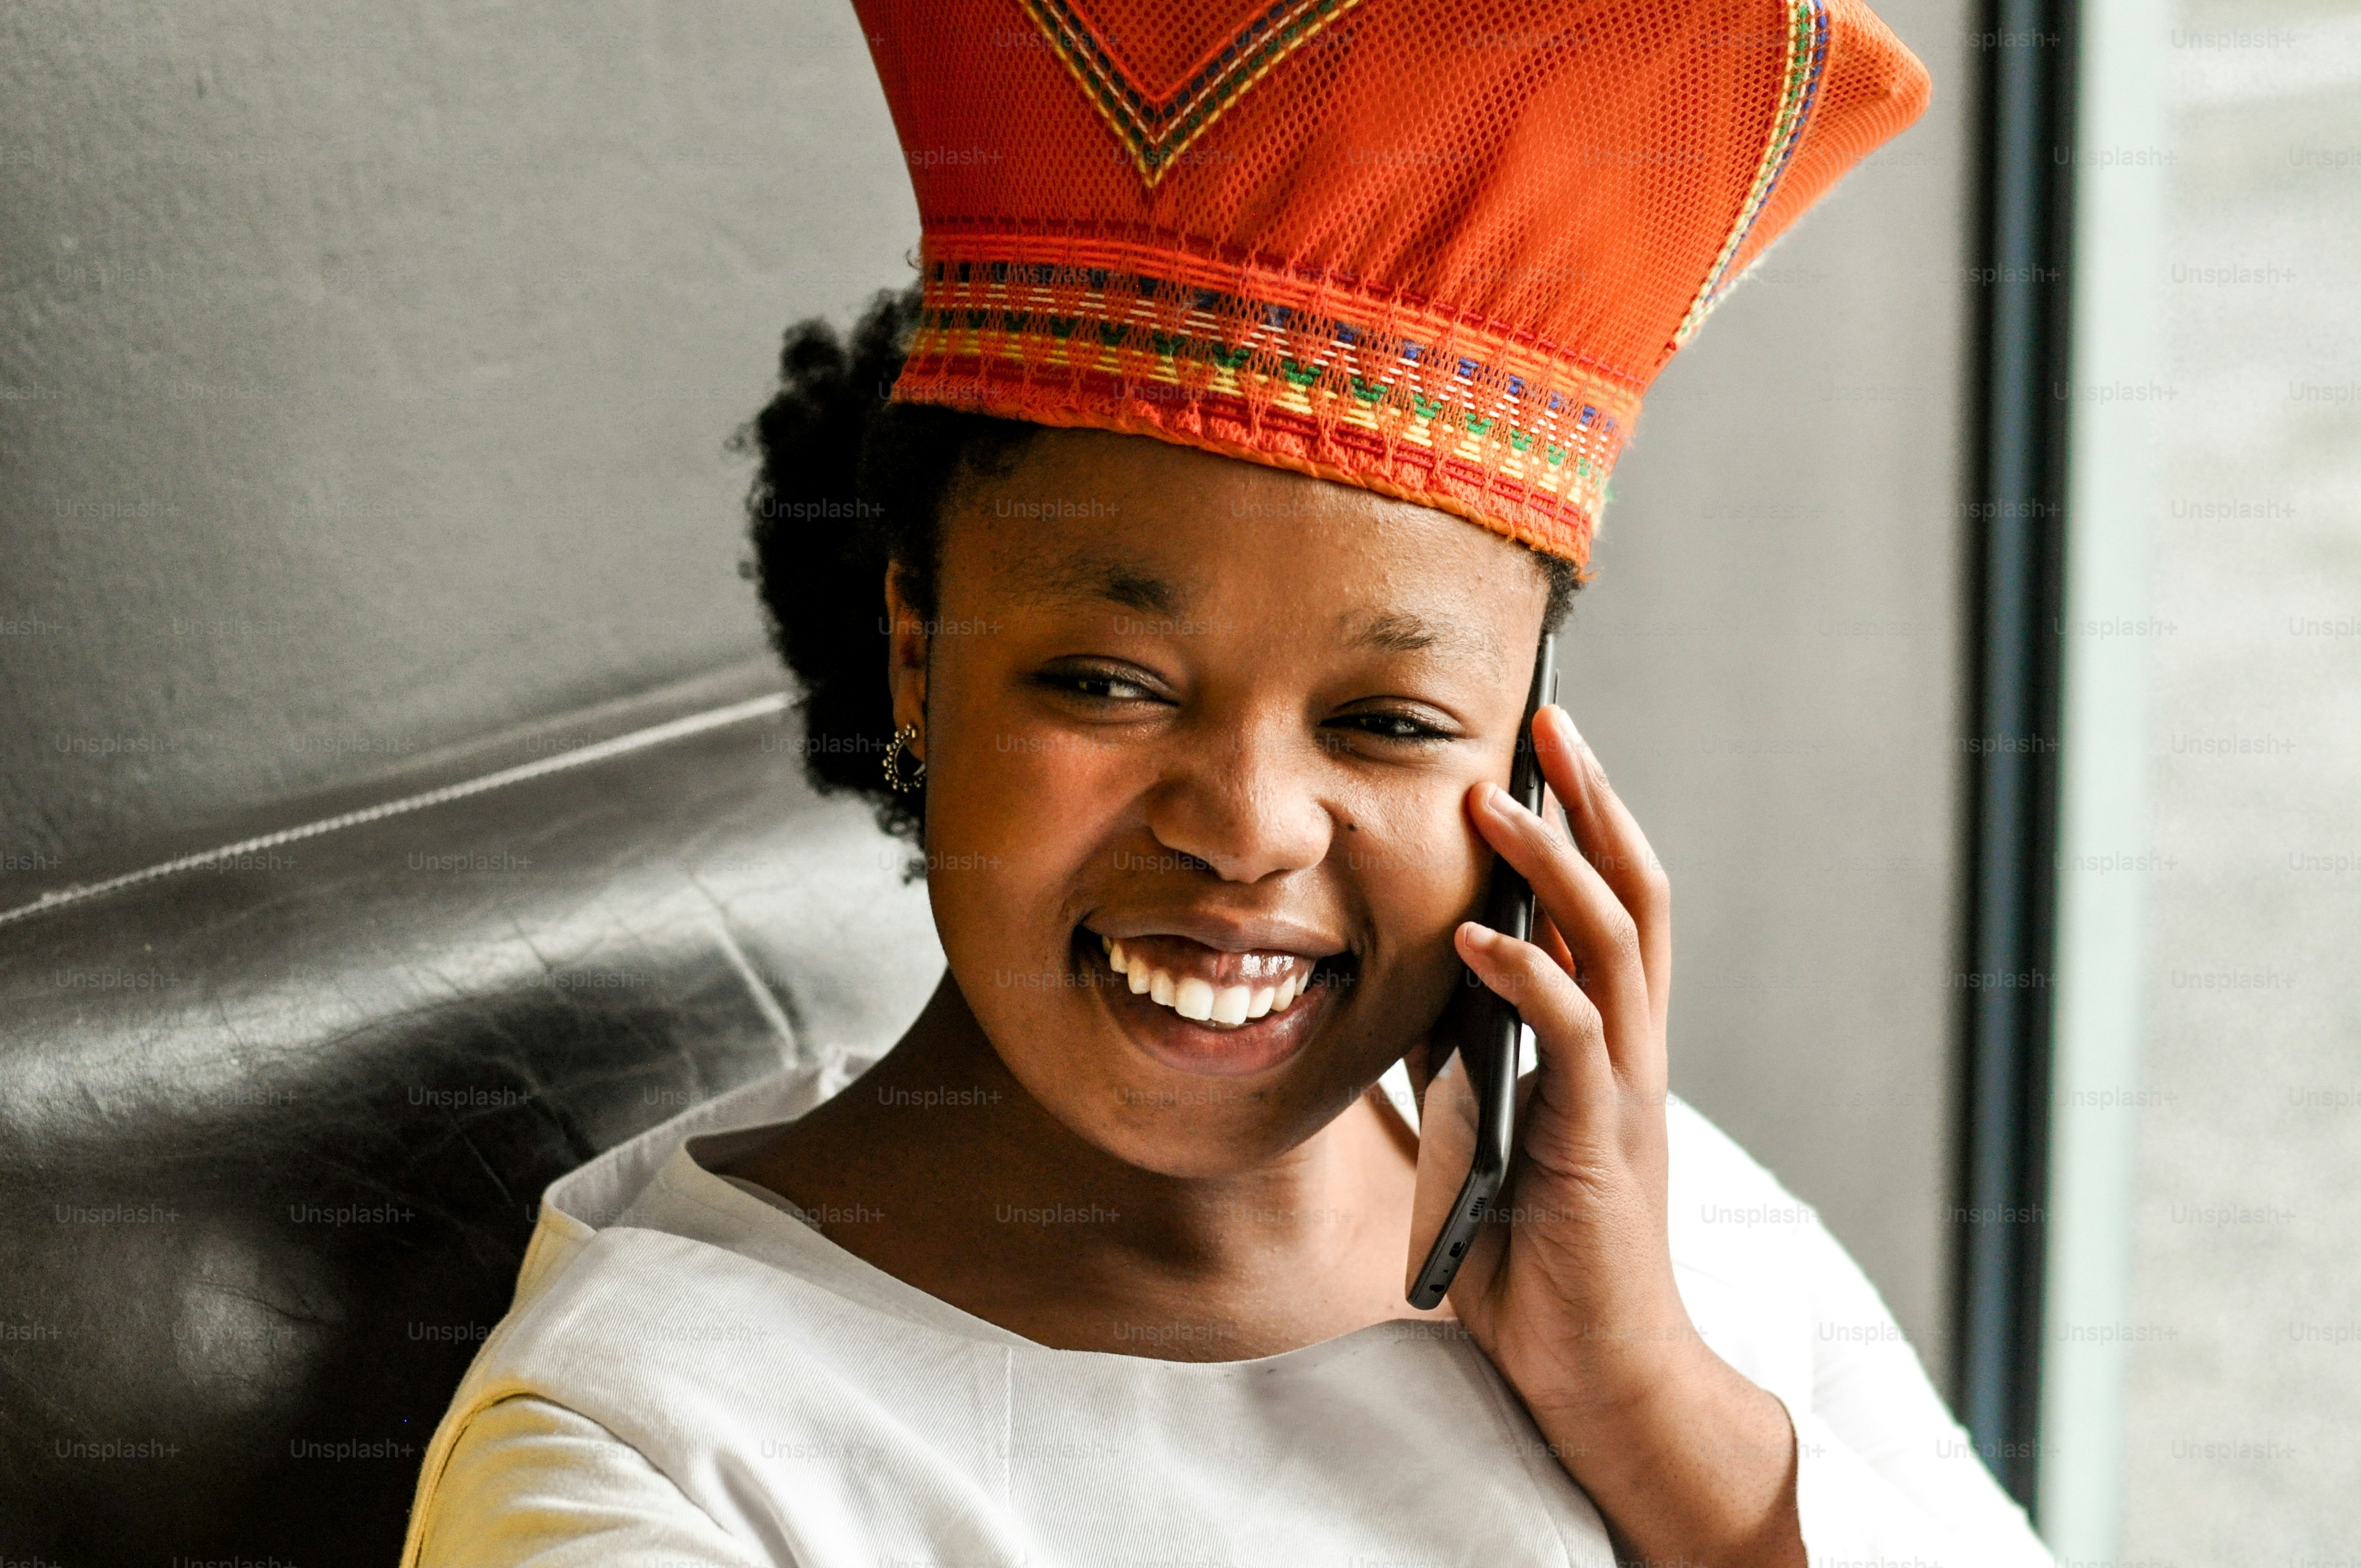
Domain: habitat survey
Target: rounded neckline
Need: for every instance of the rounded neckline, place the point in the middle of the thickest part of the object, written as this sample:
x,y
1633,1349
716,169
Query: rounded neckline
x,y
684,1173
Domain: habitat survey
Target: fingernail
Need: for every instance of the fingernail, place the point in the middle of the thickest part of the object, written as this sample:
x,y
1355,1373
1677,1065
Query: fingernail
x,y
1499,802
1480,937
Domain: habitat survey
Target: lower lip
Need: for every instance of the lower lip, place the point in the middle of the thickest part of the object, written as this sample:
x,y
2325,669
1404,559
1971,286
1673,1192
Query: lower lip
x,y
1188,1047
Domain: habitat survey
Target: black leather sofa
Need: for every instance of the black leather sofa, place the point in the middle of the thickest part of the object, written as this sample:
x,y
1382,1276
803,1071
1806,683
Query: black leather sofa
x,y
273,1123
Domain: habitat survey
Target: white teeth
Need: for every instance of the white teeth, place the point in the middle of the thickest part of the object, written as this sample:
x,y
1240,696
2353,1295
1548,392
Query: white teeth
x,y
1132,970
1194,1000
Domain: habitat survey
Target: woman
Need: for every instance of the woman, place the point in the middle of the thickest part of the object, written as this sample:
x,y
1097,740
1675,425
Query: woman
x,y
1228,483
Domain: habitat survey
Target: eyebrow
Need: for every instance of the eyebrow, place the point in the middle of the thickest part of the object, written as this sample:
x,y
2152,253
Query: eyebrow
x,y
1398,632
1091,580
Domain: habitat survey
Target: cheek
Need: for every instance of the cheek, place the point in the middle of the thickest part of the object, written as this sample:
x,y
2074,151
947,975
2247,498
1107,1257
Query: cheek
x,y
1420,869
1020,817
1035,805
1418,861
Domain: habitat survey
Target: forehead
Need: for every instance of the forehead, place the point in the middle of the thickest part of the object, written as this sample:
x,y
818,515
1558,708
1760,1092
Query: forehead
x,y
1086,519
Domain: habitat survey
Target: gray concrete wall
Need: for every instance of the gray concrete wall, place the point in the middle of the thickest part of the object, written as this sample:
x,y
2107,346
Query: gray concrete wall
x,y
366,370
366,374
1769,665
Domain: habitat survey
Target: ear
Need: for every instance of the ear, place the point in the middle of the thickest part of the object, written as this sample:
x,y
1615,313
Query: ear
x,y
905,660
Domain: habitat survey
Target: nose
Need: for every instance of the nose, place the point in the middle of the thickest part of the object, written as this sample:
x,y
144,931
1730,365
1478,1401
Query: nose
x,y
1244,799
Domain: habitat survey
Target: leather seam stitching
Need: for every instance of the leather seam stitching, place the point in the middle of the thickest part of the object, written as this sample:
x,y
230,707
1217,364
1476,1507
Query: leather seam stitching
x,y
621,745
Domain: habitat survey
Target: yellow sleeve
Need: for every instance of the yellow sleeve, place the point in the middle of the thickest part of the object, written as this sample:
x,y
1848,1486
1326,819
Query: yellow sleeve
x,y
533,1485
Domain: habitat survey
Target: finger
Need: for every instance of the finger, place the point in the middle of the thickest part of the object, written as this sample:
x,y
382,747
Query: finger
x,y
1545,937
1599,933
1567,1026
1611,841
1575,1097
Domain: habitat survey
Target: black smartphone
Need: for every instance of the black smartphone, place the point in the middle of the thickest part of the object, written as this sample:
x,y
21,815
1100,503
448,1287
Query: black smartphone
x,y
1467,1116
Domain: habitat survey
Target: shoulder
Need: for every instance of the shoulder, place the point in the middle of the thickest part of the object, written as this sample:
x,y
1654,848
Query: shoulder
x,y
612,1405
528,1482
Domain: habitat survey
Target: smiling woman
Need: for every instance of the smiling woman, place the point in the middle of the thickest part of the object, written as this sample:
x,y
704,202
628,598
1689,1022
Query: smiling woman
x,y
1369,673
1209,599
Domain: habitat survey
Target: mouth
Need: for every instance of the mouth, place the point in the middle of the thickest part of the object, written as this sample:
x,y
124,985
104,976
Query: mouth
x,y
1206,1009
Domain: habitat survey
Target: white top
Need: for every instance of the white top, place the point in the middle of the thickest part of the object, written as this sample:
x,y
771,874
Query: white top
x,y
691,1376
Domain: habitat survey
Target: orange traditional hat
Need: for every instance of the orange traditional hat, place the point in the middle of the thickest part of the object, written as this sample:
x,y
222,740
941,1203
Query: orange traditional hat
x,y
1429,248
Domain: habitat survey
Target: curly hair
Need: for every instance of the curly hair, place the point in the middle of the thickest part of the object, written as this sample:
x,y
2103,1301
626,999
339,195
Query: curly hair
x,y
848,483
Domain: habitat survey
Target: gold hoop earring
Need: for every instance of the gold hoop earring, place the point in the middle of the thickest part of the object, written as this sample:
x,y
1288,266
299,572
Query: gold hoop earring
x,y
894,779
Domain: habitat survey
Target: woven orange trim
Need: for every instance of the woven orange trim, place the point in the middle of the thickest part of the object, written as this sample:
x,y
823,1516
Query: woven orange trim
x,y
1315,377
1156,132
1800,63
1872,89
1179,254
1550,536
1566,536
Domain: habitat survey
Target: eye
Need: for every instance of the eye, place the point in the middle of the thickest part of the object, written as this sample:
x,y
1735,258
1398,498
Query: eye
x,y
1387,724
1097,684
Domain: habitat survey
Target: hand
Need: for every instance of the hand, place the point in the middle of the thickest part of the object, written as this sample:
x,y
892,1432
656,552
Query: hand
x,y
1572,1295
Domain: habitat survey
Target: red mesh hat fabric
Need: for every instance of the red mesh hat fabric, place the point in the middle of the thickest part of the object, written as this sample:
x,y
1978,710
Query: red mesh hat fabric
x,y
1435,250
